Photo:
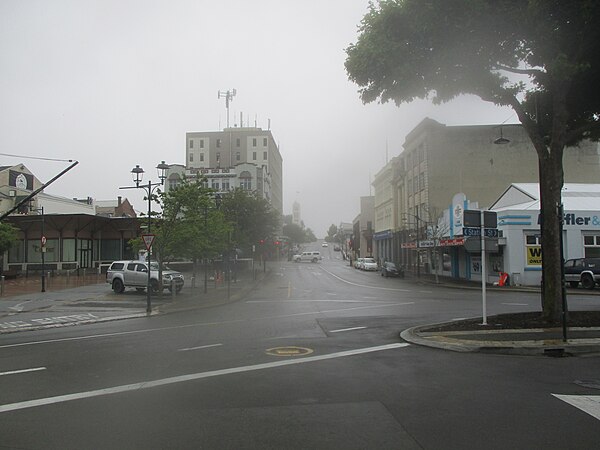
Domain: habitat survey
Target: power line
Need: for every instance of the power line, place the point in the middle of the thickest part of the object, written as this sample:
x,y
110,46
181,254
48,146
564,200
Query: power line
x,y
36,157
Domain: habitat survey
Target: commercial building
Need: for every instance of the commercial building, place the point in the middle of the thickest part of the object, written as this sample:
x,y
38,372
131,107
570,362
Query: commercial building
x,y
247,158
438,161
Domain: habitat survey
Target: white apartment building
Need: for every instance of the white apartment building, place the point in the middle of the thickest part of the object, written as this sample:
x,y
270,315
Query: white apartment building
x,y
246,158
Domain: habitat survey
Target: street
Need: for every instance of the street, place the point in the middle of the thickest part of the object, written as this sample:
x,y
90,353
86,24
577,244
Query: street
x,y
311,359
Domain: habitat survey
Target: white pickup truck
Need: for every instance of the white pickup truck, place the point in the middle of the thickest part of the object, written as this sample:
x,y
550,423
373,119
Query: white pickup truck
x,y
122,274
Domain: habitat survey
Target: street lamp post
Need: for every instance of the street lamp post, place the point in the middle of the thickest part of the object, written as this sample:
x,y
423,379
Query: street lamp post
x,y
138,173
206,208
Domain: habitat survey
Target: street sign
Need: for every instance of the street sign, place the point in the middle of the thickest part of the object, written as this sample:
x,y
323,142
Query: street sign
x,y
488,232
472,218
148,240
473,245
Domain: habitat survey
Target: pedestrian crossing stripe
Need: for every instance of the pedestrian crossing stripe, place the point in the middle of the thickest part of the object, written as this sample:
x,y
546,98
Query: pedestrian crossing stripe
x,y
587,403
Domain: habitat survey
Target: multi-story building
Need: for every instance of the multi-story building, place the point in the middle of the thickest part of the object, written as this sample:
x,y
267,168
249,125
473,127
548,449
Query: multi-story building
x,y
296,216
362,239
439,161
386,215
246,158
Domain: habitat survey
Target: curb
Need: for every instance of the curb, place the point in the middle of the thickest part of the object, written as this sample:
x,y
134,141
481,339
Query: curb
x,y
450,341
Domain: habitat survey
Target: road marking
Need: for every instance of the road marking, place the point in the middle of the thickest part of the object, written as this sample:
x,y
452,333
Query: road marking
x,y
347,329
364,285
191,377
14,372
198,348
587,403
326,300
516,304
193,325
331,293
74,318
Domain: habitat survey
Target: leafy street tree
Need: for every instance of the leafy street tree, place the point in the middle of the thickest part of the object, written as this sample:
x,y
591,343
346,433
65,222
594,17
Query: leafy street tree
x,y
541,58
296,233
331,233
252,218
310,235
191,225
8,236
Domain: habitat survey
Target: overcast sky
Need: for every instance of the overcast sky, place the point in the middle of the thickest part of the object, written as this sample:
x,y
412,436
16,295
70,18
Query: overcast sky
x,y
117,83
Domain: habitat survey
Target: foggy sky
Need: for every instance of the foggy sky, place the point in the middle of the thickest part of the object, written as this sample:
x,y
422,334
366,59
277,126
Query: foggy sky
x,y
113,84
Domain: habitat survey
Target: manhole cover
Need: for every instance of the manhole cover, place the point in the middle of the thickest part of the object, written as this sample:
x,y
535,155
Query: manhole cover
x,y
289,351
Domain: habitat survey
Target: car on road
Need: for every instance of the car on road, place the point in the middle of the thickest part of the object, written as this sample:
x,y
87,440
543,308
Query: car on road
x,y
582,270
308,256
369,264
389,269
336,248
324,244
358,263
124,274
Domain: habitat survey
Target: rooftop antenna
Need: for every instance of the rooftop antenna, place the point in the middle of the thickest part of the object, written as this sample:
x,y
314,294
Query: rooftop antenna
x,y
229,94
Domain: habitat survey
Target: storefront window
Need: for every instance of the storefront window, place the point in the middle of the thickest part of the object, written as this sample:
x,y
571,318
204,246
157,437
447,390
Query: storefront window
x,y
68,250
591,246
533,250
110,249
16,253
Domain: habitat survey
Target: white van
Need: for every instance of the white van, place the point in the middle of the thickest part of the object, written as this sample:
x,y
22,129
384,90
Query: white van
x,y
308,256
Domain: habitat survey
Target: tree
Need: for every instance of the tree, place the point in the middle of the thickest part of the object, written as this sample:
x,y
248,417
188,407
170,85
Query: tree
x,y
8,236
191,224
541,58
251,216
295,232
331,233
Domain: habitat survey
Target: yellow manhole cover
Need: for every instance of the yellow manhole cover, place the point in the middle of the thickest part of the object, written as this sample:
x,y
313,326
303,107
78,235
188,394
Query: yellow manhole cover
x,y
289,351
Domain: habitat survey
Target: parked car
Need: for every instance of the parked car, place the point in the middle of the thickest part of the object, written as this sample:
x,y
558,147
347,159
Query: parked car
x,y
389,269
124,274
358,263
369,264
582,270
336,248
324,244
308,256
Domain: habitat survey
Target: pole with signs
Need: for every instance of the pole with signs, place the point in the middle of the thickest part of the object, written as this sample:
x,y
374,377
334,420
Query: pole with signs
x,y
483,271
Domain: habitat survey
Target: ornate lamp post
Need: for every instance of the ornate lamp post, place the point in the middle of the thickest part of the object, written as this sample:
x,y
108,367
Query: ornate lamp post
x,y
137,174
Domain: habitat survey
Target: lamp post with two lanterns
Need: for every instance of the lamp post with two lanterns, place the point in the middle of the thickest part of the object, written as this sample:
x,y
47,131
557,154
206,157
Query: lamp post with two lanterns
x,y
138,173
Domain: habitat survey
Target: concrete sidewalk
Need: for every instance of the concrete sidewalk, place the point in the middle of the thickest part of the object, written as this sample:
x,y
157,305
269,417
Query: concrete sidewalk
x,y
93,301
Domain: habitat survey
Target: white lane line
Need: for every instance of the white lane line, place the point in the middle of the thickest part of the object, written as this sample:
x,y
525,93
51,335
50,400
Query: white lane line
x,y
347,329
14,372
198,348
516,304
587,403
316,301
194,325
364,285
194,376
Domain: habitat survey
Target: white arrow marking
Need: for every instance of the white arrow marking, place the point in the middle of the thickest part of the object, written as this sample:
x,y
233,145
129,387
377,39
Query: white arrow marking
x,y
587,403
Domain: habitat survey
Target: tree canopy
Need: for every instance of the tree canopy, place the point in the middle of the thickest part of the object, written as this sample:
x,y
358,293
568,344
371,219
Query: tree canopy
x,y
538,57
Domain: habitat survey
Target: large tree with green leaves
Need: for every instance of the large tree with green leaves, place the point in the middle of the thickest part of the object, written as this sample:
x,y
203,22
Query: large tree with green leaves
x,y
8,236
541,58
252,218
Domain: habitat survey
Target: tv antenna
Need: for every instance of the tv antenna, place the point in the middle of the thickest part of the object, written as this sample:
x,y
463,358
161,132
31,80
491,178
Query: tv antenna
x,y
229,94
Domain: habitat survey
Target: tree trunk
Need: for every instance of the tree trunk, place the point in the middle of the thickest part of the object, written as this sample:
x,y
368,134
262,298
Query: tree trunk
x,y
551,182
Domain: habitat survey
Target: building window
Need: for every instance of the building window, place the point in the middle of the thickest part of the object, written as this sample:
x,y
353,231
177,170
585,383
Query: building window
x,y
215,185
246,181
421,153
191,157
237,142
238,156
253,142
218,157
422,181
591,246
218,143
265,156
253,156
201,143
201,157
191,144
533,250
225,185
264,142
